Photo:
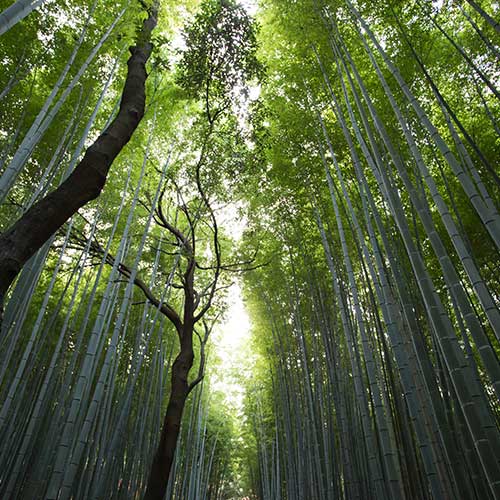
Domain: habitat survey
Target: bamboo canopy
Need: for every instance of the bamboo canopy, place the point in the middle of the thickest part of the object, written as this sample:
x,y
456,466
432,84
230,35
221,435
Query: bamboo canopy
x,y
335,160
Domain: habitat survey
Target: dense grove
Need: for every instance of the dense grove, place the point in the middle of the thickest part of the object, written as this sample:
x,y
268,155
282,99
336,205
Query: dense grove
x,y
355,148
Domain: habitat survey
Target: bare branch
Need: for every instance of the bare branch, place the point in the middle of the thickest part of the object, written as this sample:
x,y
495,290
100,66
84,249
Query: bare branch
x,y
166,309
201,369
239,267
163,222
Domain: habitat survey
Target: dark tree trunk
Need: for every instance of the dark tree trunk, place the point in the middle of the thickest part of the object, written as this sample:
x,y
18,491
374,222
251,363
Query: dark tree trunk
x,y
180,388
24,238
164,456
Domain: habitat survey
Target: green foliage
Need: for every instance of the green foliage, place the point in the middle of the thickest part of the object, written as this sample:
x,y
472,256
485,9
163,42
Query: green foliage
x,y
220,56
264,159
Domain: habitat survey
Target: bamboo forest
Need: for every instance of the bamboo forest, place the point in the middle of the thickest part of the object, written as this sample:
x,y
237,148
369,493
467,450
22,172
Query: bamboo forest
x,y
249,250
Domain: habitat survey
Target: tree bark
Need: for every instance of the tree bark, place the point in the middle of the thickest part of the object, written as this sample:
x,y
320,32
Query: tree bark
x,y
35,227
180,386
165,453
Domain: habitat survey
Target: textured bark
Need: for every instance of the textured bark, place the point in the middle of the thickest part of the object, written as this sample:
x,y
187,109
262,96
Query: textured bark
x,y
44,218
180,389
165,453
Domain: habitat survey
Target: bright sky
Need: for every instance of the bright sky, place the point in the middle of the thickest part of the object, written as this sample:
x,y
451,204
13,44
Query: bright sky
x,y
231,337
250,6
231,342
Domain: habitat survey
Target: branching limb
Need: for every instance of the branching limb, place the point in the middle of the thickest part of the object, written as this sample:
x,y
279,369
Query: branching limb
x,y
96,249
203,341
164,308
163,222
239,267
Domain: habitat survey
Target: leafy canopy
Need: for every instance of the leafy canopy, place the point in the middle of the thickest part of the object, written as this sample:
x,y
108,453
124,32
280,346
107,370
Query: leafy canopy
x,y
220,55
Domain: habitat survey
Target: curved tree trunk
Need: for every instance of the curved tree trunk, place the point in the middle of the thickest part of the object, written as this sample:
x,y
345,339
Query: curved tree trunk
x,y
34,228
165,453
179,391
